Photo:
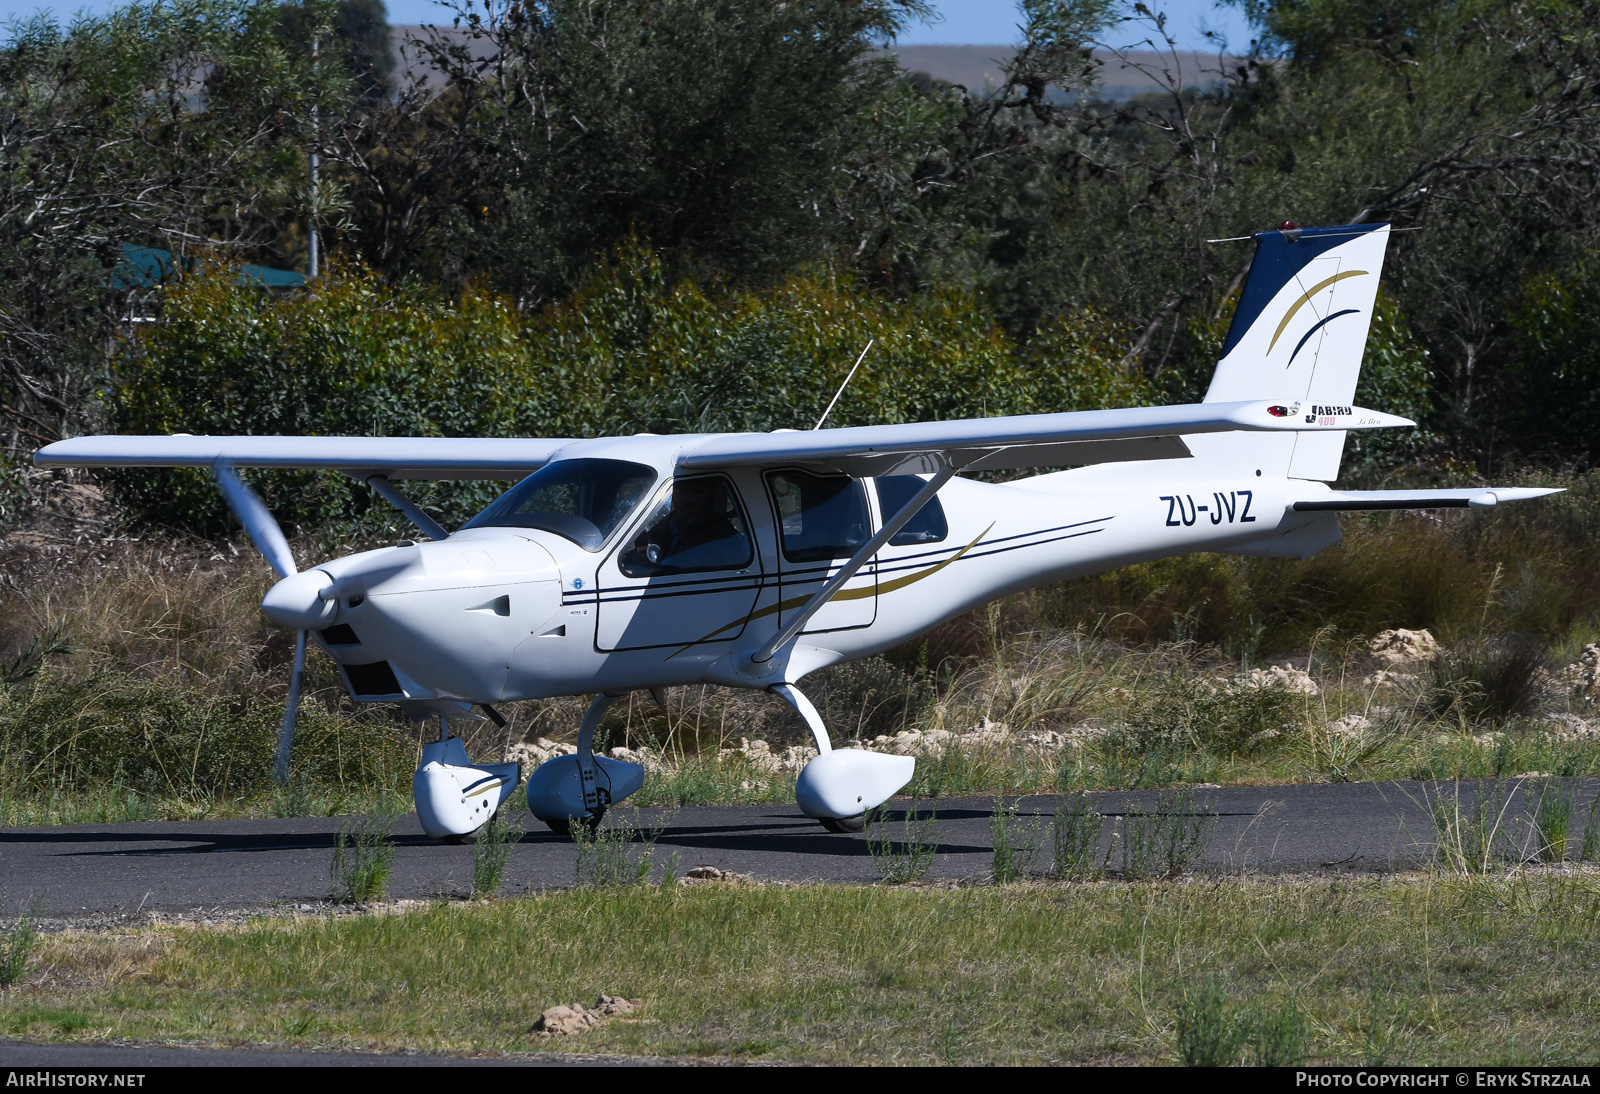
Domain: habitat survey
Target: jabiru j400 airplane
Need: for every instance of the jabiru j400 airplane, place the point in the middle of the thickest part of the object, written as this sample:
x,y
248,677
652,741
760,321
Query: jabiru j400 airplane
x,y
754,559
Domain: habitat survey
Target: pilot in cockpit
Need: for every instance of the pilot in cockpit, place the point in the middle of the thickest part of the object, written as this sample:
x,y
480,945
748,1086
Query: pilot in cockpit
x,y
698,529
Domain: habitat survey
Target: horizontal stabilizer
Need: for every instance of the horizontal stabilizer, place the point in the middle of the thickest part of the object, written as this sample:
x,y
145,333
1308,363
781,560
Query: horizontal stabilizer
x,y
1470,498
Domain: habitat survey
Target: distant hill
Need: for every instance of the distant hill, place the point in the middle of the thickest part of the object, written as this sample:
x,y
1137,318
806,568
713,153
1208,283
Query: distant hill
x,y
977,67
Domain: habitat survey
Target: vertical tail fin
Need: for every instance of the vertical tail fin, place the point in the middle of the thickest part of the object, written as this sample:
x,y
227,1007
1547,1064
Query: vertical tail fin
x,y
1298,335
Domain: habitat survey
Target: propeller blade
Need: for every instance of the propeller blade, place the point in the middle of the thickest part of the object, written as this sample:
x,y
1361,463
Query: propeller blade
x,y
280,763
257,520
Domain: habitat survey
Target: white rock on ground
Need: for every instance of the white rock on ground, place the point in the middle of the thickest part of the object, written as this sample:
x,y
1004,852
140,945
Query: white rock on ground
x,y
1387,678
577,1017
1294,680
531,754
1584,677
916,742
759,755
1350,723
931,742
1570,727
1403,647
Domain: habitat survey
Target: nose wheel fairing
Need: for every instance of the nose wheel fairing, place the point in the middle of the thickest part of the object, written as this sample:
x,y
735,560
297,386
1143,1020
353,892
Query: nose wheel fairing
x,y
555,789
579,787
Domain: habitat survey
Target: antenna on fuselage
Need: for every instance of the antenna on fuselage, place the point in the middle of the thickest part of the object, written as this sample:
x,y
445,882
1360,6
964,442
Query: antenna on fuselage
x,y
844,385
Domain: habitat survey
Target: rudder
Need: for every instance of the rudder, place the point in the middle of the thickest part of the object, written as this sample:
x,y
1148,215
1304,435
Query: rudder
x,y
1298,335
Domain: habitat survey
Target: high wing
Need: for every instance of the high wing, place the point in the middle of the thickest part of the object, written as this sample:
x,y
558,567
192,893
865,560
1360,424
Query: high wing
x,y
392,457
1028,440
974,444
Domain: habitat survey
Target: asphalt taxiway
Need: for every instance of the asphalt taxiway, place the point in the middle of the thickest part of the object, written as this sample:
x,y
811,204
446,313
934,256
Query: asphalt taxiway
x,y
191,867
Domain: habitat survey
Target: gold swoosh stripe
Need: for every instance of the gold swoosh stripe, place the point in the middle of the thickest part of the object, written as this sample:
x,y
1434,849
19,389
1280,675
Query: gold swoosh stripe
x,y
843,594
1298,304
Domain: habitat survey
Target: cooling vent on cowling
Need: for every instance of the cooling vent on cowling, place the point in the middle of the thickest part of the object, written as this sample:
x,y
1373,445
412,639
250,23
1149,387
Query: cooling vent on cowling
x,y
340,634
374,679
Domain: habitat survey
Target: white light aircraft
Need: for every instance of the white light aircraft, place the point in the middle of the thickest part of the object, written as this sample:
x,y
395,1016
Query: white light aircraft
x,y
754,559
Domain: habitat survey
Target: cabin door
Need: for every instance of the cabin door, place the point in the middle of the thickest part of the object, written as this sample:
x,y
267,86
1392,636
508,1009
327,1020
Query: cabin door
x,y
687,574
822,520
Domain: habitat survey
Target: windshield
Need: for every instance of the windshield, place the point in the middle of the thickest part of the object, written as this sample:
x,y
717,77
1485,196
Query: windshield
x,y
583,500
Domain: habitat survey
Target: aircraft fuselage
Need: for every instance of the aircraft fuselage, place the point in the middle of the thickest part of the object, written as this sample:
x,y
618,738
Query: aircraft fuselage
x,y
505,613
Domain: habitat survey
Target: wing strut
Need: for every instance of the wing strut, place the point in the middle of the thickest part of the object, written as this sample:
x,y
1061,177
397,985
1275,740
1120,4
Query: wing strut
x,y
857,560
411,509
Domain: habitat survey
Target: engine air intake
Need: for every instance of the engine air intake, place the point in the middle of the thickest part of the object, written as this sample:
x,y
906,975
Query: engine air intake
x,y
374,679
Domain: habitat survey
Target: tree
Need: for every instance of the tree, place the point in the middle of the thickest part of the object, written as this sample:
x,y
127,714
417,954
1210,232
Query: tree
x,y
179,124
715,129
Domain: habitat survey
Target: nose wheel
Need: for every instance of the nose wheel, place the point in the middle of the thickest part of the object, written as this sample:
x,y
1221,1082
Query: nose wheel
x,y
563,825
578,788
454,796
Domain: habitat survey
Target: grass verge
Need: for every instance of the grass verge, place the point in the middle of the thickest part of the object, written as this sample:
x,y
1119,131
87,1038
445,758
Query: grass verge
x,y
1424,970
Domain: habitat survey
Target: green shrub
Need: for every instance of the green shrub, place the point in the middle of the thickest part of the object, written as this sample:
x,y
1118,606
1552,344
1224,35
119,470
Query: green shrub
x,y
1221,718
602,853
1280,1036
907,859
1076,830
1487,681
363,859
17,942
630,351
1167,838
1556,372
492,850
1550,817
1015,845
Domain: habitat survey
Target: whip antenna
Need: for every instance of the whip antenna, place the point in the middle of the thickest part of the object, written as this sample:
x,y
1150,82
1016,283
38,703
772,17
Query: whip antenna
x,y
844,385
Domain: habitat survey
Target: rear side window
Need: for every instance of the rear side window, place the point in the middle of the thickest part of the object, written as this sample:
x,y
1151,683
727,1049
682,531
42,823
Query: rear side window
x,y
820,517
928,526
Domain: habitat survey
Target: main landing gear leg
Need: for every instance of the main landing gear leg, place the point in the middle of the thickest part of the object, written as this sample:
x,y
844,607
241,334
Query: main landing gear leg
x,y
455,797
840,789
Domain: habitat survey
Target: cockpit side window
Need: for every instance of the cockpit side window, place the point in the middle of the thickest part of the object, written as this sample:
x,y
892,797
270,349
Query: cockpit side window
x,y
820,517
697,526
928,526
583,500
